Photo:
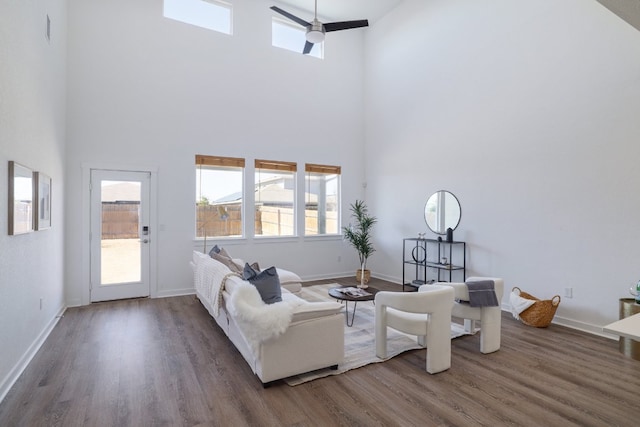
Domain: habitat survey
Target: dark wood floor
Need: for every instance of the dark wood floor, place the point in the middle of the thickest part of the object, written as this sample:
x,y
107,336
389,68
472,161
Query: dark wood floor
x,y
165,362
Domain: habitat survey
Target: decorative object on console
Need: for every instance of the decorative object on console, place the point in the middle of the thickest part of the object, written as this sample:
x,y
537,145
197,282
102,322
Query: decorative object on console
x,y
360,238
449,234
431,257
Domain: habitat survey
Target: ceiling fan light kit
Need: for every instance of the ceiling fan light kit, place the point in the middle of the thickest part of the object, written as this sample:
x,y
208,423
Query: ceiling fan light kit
x,y
316,30
315,33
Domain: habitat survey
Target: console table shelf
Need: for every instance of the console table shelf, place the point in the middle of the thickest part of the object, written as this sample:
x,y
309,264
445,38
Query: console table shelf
x,y
429,260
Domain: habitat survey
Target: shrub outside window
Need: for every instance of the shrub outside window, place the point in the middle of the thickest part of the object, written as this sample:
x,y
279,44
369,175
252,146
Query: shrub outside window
x,y
322,200
219,196
275,190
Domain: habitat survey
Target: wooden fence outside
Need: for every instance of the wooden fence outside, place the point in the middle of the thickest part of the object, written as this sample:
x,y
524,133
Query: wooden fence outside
x,y
120,221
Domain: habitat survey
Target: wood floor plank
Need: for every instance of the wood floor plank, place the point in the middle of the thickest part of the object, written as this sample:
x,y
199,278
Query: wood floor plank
x,y
166,362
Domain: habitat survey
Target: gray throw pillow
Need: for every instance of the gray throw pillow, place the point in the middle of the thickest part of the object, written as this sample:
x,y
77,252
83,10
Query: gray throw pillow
x,y
266,281
214,250
249,272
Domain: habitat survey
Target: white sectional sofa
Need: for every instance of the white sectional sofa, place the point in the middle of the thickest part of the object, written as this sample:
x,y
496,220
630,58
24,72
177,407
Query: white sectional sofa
x,y
277,340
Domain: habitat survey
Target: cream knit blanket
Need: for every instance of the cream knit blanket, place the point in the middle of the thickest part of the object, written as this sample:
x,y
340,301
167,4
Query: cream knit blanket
x,y
210,278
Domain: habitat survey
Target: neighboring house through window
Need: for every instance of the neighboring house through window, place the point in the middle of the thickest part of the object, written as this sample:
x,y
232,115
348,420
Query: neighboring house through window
x,y
219,196
275,190
322,199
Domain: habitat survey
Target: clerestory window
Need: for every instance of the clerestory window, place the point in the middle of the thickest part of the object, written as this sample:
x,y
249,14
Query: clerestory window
x,y
292,37
214,15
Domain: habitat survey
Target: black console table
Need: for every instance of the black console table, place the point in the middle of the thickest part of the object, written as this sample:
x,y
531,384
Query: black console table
x,y
431,260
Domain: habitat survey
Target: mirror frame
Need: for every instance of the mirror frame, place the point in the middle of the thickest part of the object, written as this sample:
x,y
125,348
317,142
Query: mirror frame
x,y
443,232
20,206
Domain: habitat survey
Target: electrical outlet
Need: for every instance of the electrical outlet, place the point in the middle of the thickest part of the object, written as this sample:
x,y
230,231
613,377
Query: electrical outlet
x,y
568,292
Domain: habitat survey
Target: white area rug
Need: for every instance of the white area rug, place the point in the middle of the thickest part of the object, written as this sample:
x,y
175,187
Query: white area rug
x,y
359,340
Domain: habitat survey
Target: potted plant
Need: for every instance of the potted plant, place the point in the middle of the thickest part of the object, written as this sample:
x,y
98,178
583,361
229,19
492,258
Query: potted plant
x,y
359,235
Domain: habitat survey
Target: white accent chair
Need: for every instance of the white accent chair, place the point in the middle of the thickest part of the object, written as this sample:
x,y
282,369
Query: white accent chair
x,y
490,317
426,314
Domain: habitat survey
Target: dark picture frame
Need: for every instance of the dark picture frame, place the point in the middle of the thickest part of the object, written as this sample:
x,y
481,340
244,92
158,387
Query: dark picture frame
x,y
42,205
21,188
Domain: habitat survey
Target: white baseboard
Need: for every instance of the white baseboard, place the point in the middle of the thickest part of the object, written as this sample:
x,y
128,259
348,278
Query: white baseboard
x,y
582,326
176,293
26,358
76,302
328,276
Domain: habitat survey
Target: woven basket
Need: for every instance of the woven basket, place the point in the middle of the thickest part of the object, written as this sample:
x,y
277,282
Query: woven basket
x,y
541,313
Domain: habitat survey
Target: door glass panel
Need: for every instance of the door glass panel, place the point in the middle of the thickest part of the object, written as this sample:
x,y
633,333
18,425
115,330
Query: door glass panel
x,y
121,257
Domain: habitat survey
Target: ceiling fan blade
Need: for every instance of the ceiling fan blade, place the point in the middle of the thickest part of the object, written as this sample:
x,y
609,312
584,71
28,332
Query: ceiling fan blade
x,y
345,25
290,16
307,47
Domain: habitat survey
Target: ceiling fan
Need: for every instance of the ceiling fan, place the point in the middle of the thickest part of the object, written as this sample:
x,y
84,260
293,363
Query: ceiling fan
x,y
316,29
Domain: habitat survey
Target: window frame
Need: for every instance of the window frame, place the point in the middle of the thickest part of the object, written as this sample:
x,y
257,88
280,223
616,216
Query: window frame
x,y
220,163
228,5
286,23
276,166
327,170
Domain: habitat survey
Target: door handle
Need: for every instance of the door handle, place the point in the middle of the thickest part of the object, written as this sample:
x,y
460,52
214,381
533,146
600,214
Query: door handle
x,y
145,241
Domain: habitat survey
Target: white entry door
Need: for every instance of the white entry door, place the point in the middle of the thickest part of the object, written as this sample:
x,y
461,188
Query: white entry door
x,y
120,234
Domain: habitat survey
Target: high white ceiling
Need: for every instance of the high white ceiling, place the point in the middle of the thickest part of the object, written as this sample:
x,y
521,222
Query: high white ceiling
x,y
345,10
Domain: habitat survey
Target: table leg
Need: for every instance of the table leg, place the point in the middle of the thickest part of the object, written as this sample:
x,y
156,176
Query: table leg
x,y
353,313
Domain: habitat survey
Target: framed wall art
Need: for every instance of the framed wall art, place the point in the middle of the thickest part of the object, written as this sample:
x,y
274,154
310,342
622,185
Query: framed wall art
x,y
42,206
20,199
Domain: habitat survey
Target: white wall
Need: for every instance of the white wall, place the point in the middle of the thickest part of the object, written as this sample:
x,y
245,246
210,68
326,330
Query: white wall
x,y
528,112
144,89
32,132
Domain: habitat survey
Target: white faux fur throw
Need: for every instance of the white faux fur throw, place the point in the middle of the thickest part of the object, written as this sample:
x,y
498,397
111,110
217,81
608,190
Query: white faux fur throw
x,y
258,321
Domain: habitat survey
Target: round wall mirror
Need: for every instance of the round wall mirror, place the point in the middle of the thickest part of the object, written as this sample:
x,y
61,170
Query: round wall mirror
x,y
442,211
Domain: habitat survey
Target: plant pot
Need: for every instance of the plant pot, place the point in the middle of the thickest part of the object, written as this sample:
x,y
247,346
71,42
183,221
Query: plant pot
x,y
367,276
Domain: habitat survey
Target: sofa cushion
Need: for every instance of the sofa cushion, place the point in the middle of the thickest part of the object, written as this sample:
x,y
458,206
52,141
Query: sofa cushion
x,y
313,310
226,261
266,281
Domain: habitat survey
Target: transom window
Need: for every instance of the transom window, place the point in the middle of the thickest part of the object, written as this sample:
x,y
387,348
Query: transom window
x,y
292,37
219,196
322,199
214,15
